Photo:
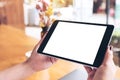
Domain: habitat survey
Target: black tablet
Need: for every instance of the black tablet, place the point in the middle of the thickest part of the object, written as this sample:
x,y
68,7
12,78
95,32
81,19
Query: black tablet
x,y
79,42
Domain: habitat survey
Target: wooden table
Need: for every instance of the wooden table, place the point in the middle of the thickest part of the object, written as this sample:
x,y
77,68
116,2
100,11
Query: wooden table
x,y
13,46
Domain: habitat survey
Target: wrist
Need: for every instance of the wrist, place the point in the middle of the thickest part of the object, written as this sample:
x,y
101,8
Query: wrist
x,y
29,66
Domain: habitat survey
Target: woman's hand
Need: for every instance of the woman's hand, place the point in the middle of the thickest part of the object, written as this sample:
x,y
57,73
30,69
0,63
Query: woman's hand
x,y
38,61
106,71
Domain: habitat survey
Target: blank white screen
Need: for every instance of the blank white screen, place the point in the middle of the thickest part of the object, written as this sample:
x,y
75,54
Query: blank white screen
x,y
78,42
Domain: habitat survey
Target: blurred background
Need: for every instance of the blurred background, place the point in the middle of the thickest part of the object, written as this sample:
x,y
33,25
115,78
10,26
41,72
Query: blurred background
x,y
20,22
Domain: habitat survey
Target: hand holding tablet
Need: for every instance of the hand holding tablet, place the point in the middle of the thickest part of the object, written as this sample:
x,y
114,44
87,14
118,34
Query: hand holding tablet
x,y
79,42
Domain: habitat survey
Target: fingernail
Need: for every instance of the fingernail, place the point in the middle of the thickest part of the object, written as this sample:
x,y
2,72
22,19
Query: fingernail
x,y
111,47
111,50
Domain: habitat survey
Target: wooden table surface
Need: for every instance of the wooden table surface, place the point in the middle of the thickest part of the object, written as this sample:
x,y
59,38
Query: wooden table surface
x,y
13,46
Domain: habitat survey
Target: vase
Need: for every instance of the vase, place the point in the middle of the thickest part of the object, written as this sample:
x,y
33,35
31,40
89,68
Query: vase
x,y
44,30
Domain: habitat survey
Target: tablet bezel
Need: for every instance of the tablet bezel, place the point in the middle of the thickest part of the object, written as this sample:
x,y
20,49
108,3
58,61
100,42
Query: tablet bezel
x,y
101,51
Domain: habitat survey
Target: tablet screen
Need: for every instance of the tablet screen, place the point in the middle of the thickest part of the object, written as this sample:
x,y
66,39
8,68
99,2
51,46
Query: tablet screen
x,y
74,41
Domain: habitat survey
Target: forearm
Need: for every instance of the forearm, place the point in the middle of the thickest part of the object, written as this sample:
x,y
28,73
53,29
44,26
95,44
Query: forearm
x,y
17,72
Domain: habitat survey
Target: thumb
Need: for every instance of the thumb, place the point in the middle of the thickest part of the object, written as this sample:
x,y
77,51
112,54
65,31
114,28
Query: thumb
x,y
108,56
38,44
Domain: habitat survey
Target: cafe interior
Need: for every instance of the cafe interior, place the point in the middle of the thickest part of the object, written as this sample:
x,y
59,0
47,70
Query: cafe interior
x,y
22,25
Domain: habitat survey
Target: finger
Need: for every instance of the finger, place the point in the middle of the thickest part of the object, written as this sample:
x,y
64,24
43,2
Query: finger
x,y
42,39
53,60
39,43
108,55
88,69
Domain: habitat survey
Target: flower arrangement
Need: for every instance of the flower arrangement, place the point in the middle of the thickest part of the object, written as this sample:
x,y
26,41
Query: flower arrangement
x,y
45,12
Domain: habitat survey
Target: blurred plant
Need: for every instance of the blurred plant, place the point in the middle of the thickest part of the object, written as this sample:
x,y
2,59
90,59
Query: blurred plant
x,y
45,12
115,41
